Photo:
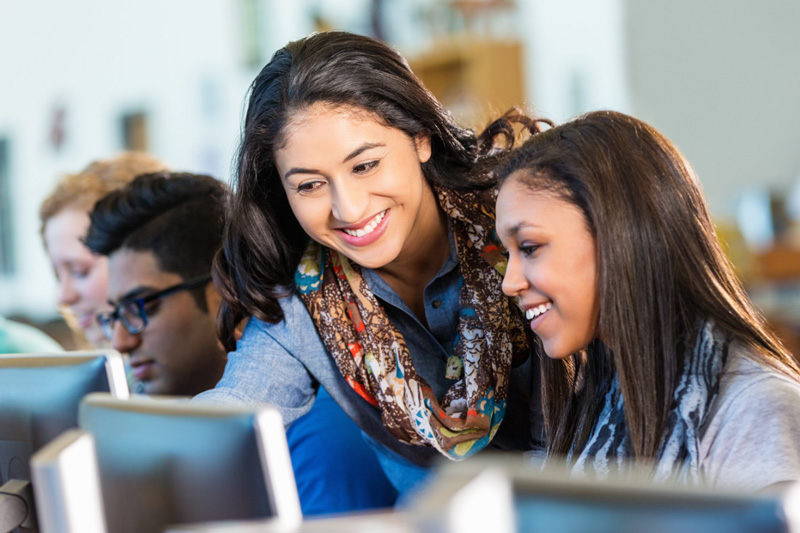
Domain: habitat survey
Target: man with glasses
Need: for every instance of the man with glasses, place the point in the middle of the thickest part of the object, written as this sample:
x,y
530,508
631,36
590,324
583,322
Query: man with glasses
x,y
160,233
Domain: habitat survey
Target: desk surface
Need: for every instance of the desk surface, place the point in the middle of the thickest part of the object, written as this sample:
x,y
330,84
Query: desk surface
x,y
385,522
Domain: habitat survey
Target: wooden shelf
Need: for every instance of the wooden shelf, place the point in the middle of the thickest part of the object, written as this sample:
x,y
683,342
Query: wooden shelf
x,y
477,79
780,263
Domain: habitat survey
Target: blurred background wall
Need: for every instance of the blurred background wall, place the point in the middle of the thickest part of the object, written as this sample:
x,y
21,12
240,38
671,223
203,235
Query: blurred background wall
x,y
83,79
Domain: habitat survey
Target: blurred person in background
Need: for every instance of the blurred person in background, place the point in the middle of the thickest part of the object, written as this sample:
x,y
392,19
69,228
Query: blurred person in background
x,y
83,276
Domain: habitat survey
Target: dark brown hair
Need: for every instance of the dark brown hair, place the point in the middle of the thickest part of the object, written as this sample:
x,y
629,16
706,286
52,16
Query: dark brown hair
x,y
661,273
263,241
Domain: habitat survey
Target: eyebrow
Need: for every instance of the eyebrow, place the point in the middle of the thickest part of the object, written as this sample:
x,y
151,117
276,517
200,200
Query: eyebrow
x,y
355,153
363,148
298,170
133,293
516,228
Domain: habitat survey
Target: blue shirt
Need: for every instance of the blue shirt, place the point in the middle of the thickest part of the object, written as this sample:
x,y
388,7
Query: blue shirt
x,y
335,469
284,364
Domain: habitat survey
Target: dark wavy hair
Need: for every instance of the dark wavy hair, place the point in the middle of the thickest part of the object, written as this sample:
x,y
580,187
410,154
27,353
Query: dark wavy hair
x,y
177,216
661,272
263,241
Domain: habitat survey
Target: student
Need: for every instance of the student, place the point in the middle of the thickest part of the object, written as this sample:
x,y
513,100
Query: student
x,y
361,242
82,276
654,352
160,234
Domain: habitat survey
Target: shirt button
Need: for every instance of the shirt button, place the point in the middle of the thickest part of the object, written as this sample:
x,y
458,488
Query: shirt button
x,y
437,304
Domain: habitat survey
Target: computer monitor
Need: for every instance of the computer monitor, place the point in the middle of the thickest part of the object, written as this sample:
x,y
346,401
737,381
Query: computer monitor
x,y
39,398
165,462
68,493
518,497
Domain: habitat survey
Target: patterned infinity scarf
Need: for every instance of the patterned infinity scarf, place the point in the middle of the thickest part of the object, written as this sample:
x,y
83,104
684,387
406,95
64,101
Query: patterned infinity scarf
x,y
373,357
678,457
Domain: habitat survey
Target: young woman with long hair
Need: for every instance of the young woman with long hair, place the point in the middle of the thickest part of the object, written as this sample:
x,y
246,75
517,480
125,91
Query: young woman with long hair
x,y
361,242
652,351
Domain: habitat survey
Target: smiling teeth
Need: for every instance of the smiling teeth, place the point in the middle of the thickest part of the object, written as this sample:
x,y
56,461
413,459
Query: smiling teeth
x,y
369,228
530,314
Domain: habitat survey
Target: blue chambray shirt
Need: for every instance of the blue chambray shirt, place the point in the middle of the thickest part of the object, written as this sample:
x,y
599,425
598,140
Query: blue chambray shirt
x,y
283,365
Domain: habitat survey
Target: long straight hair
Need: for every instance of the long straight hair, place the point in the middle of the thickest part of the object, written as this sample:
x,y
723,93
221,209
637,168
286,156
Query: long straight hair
x,y
263,241
661,272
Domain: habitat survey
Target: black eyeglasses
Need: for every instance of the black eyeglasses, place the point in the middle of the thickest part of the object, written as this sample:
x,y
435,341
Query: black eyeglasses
x,y
131,311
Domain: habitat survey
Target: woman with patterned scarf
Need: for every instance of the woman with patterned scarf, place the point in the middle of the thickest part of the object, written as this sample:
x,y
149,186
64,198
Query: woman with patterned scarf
x,y
361,244
655,355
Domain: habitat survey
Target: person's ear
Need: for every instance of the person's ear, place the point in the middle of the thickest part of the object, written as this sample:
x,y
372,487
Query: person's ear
x,y
423,145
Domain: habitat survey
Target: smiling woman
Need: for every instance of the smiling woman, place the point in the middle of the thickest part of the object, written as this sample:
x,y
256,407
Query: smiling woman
x,y
349,179
361,239
551,268
654,352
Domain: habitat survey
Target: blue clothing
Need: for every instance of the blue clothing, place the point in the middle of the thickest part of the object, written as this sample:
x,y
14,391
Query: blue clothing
x,y
283,364
335,469
406,476
16,337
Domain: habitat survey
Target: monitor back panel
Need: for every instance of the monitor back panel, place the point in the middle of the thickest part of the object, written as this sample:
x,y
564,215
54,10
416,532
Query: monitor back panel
x,y
39,398
167,467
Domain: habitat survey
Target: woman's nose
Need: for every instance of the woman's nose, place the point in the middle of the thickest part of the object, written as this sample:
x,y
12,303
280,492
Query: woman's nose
x,y
349,203
67,295
513,281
